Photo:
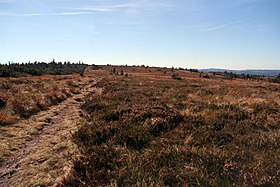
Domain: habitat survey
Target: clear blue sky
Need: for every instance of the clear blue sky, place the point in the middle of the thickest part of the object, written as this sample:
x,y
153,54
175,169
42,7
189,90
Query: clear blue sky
x,y
234,34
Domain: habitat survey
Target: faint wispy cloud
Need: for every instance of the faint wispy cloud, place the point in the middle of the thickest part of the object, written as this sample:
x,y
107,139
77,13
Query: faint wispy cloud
x,y
222,26
72,13
109,8
7,14
132,7
95,9
143,4
80,10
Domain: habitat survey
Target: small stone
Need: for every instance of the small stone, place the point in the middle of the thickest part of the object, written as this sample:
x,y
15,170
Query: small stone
x,y
2,103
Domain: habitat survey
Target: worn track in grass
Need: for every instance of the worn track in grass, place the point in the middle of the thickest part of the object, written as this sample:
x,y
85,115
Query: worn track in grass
x,y
43,149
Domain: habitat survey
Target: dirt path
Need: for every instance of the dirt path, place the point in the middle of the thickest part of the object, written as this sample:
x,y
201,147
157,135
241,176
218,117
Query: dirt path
x,y
43,149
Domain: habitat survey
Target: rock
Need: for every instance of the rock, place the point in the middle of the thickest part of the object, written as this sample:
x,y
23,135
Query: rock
x,y
2,103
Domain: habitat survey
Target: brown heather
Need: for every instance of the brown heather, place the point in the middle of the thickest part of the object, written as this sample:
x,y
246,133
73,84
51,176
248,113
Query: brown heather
x,y
139,126
149,129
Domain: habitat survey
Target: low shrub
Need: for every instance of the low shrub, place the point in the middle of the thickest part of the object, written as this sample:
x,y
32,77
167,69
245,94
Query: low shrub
x,y
176,76
152,132
6,118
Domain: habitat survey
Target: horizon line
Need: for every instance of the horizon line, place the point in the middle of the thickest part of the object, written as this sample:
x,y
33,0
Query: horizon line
x,y
150,65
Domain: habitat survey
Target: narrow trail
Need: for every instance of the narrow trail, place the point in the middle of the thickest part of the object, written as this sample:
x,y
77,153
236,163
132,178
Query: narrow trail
x,y
44,156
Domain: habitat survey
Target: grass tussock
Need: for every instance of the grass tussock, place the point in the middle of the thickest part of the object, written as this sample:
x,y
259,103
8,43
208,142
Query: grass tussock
x,y
148,132
24,97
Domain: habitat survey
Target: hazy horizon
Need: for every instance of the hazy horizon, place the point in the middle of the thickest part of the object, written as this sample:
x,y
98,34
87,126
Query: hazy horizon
x,y
236,35
171,66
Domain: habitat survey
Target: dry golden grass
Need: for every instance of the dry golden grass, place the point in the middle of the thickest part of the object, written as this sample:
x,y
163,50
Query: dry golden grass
x,y
24,97
148,129
140,127
38,150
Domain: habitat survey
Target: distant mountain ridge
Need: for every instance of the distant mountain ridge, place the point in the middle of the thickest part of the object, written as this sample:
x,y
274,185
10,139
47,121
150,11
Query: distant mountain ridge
x,y
266,72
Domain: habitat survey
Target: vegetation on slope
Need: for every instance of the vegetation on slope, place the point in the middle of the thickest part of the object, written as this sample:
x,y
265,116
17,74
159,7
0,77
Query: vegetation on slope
x,y
148,131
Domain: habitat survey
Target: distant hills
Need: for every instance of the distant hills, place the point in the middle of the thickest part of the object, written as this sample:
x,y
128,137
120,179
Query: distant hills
x,y
246,71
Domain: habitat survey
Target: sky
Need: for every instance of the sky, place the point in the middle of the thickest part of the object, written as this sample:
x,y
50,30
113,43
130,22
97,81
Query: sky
x,y
233,34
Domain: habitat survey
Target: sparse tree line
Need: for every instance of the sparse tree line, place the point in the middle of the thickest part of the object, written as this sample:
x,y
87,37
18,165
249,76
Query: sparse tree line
x,y
41,68
190,69
231,75
121,72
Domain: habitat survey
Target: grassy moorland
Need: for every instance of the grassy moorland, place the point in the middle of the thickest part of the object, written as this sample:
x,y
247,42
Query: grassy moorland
x,y
22,95
153,128
23,98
